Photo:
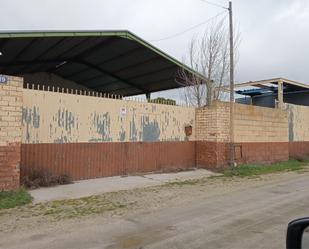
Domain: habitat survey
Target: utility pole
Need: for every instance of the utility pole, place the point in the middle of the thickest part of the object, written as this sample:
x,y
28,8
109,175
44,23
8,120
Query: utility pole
x,y
232,149
232,146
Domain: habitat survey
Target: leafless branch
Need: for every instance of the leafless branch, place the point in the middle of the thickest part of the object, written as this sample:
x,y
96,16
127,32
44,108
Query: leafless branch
x,y
209,56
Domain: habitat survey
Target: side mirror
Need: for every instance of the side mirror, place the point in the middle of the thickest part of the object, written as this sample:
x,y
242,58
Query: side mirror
x,y
298,234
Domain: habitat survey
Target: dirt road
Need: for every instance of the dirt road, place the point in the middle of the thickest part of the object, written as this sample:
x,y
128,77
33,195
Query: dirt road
x,y
233,214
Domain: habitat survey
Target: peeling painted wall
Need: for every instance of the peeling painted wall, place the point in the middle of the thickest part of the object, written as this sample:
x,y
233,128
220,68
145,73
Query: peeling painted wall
x,y
298,122
50,117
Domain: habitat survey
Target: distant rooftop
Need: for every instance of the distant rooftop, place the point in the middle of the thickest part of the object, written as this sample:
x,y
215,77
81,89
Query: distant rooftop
x,y
253,88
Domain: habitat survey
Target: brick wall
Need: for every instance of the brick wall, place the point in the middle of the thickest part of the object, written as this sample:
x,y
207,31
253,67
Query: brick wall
x,y
212,135
10,132
260,135
212,123
211,155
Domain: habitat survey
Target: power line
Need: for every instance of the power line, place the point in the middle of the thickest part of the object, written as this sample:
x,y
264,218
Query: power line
x,y
186,30
214,4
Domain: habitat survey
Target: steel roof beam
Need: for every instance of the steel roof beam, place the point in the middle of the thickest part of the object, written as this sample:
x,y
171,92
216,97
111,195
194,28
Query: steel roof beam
x,y
104,62
111,75
131,66
93,66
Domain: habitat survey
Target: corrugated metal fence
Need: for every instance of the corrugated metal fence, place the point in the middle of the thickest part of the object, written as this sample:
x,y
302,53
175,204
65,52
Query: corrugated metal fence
x,y
93,160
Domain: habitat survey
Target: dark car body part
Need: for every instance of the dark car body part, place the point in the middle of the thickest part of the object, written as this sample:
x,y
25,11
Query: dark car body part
x,y
295,233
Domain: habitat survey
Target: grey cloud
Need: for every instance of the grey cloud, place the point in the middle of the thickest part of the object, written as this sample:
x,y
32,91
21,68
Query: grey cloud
x,y
274,34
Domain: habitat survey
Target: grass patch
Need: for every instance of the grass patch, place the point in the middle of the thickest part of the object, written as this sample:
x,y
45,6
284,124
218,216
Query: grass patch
x,y
185,182
193,182
74,208
11,199
248,170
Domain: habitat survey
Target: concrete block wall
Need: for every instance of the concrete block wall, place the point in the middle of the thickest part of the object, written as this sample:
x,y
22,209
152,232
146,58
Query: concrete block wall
x,y
260,134
10,132
260,124
251,123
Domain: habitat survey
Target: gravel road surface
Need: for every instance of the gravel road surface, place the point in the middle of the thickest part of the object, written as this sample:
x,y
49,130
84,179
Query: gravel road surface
x,y
234,214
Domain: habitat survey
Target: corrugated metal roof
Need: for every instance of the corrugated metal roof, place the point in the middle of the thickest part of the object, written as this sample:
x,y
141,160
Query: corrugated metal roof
x,y
117,62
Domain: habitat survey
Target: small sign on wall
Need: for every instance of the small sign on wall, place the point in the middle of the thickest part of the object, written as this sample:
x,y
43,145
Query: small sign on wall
x,y
3,79
123,112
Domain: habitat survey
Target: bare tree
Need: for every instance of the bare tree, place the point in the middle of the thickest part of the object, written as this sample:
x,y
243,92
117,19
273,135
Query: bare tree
x,y
209,56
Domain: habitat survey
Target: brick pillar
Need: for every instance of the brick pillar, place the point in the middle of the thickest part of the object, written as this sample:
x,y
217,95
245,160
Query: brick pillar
x,y
10,131
212,135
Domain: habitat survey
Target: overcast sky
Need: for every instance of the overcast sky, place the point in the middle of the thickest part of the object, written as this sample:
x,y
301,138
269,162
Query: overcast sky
x,y
274,33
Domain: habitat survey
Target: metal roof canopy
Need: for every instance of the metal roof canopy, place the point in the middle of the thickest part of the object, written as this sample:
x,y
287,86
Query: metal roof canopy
x,y
117,62
270,86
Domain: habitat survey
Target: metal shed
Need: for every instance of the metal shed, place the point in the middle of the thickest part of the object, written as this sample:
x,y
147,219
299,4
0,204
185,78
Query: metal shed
x,y
267,92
